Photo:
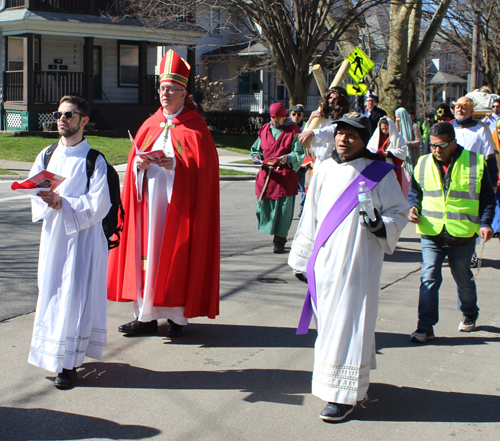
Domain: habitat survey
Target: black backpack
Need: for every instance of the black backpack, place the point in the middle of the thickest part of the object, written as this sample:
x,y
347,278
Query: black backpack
x,y
112,224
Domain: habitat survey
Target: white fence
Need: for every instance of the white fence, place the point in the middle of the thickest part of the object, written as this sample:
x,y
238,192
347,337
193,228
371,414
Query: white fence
x,y
260,102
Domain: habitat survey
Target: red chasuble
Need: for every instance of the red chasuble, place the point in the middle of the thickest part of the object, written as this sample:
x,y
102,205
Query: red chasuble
x,y
283,180
189,264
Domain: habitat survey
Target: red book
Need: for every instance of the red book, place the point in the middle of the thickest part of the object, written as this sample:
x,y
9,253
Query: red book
x,y
152,157
43,181
271,162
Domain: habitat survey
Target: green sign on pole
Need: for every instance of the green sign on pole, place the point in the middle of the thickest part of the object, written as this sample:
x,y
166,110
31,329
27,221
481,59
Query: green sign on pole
x,y
360,64
356,89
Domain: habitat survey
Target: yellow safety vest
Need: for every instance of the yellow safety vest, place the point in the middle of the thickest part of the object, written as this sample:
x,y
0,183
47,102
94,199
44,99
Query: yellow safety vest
x,y
459,208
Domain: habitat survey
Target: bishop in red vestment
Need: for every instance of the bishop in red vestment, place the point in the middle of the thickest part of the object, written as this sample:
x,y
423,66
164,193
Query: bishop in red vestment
x,y
168,261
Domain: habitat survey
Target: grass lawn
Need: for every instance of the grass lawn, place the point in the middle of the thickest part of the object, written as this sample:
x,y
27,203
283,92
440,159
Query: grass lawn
x,y
6,172
116,150
228,172
235,143
26,148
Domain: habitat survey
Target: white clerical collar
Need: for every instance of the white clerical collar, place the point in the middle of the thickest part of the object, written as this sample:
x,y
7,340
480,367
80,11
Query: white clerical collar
x,y
173,116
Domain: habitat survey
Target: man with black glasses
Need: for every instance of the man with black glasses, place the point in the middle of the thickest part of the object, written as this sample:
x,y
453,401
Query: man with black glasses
x,y
452,203
70,319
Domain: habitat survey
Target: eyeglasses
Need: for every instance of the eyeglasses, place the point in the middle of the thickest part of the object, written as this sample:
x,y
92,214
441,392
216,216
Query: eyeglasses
x,y
441,145
297,113
68,114
169,90
463,105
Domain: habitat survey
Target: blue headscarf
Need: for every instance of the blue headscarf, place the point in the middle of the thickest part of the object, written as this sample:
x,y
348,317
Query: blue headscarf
x,y
405,124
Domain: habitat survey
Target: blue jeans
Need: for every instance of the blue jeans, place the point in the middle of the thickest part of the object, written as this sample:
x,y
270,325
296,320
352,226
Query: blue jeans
x,y
459,259
302,186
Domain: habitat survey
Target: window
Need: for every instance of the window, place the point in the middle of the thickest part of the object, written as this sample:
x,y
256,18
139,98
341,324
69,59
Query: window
x,y
15,53
280,88
215,20
128,69
449,63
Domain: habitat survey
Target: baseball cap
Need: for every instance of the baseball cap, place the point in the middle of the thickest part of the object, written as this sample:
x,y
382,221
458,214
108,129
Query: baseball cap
x,y
359,122
354,119
298,108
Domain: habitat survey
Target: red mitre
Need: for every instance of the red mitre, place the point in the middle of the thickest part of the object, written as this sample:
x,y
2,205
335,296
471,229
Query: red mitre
x,y
174,69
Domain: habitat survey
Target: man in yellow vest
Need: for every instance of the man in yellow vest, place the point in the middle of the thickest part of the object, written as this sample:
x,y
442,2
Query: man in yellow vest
x,y
452,202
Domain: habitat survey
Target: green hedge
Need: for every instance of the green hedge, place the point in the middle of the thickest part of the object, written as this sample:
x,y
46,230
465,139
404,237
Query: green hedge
x,y
236,123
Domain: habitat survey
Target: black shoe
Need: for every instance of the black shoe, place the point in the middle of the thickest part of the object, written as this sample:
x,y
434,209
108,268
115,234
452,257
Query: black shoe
x,y
279,248
136,327
336,412
65,379
175,330
421,336
468,323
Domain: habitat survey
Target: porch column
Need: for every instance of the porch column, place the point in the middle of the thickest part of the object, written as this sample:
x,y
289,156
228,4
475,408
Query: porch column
x,y
88,69
28,68
431,93
143,72
262,107
191,59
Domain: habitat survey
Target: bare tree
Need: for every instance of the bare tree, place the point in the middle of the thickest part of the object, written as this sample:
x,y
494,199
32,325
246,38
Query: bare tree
x,y
413,24
458,29
296,32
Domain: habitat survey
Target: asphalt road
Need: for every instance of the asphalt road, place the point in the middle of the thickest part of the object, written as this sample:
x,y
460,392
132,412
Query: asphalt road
x,y
246,375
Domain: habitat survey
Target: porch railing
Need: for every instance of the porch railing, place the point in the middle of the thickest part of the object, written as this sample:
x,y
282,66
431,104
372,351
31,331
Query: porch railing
x,y
81,6
51,86
13,86
260,102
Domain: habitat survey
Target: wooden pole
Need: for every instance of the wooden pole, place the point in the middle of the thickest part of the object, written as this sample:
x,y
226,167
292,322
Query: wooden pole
x,y
337,81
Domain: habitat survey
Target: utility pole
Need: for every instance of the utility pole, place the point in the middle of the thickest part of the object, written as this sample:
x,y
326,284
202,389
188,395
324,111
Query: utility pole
x,y
474,73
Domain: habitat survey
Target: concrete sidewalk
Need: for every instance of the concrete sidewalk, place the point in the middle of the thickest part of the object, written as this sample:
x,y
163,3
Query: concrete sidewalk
x,y
247,376
226,161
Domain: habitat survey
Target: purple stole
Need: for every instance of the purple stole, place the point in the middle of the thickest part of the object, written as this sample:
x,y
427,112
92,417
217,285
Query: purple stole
x,y
348,200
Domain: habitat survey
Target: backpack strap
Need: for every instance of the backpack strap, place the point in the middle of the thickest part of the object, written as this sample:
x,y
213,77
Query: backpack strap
x,y
48,154
91,159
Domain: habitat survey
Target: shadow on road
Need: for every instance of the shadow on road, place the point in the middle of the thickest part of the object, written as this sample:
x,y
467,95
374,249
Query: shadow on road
x,y
237,336
269,385
43,424
387,402
390,340
404,255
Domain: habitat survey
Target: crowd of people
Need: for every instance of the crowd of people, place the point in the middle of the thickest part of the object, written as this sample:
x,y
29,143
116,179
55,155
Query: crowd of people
x,y
440,174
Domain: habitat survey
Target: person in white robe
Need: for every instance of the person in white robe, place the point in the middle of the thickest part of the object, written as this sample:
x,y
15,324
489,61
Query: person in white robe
x,y
70,319
347,288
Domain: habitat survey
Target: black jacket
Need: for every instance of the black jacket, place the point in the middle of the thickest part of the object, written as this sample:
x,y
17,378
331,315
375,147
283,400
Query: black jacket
x,y
375,116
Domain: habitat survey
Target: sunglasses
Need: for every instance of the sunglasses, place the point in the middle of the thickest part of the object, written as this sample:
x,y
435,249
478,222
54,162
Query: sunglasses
x,y
441,145
296,113
68,114
495,106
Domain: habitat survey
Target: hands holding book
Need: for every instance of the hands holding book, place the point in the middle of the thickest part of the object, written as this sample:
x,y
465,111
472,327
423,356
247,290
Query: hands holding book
x,y
165,162
52,199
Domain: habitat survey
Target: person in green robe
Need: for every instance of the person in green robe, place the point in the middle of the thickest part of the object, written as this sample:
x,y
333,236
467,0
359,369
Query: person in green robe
x,y
279,151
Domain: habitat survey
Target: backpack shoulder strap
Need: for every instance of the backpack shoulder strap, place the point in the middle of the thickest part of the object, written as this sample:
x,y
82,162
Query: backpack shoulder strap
x,y
48,154
91,159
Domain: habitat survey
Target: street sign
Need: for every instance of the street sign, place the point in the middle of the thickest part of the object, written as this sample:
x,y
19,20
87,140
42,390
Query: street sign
x,y
360,64
356,89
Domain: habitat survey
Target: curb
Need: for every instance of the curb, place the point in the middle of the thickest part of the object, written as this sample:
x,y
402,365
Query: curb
x,y
237,178
10,177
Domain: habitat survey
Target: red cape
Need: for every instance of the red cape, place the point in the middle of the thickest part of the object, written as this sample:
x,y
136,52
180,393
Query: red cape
x,y
190,253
